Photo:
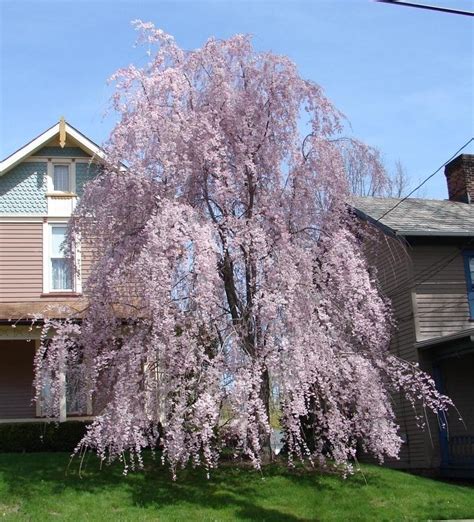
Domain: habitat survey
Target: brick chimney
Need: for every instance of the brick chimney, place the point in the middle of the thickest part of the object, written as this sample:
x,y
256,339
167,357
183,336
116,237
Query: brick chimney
x,y
460,178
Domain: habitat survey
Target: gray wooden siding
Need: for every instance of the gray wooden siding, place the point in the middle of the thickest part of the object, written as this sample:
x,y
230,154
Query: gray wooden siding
x,y
392,258
440,286
16,379
425,281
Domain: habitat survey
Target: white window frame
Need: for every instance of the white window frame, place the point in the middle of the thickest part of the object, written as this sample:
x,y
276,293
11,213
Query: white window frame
x,y
47,268
71,164
62,257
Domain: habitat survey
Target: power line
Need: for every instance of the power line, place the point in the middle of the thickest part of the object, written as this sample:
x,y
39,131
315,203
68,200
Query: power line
x,y
422,277
425,180
409,317
428,7
428,272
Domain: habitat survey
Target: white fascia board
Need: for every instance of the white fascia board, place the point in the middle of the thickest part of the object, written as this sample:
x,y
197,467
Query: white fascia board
x,y
21,218
89,145
28,149
34,145
439,233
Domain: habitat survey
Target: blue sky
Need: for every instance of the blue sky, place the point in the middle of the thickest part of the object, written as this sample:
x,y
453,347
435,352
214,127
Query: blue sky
x,y
402,76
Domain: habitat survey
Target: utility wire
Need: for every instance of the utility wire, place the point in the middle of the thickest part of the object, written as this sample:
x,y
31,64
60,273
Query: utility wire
x,y
426,273
436,267
433,311
428,7
421,277
424,181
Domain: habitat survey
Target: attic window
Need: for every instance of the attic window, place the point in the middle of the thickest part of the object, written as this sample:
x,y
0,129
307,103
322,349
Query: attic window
x,y
61,178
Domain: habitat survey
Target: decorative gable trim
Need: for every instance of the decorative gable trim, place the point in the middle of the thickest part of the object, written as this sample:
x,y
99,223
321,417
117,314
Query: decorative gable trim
x,y
36,144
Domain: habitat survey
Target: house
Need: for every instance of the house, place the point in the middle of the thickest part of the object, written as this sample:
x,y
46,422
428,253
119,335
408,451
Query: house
x,y
424,256
39,187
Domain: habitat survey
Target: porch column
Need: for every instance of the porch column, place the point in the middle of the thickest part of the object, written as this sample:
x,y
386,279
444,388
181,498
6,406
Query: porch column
x,y
443,424
62,390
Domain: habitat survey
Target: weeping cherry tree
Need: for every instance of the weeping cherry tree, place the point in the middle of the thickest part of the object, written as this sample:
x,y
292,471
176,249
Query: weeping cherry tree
x,y
228,271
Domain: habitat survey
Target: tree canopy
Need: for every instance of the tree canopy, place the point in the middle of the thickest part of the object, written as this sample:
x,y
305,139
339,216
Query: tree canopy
x,y
229,271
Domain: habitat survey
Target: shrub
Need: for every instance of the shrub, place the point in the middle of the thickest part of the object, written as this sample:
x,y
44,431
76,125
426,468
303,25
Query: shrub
x,y
41,436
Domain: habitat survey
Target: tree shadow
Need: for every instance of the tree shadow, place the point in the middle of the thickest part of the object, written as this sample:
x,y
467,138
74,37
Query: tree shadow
x,y
28,476
236,489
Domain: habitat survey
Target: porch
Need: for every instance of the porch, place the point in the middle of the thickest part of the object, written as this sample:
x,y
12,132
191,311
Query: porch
x,y
16,383
452,362
16,380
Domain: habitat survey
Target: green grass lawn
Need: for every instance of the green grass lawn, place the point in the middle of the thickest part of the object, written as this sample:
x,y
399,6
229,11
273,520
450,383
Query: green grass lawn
x,y
35,487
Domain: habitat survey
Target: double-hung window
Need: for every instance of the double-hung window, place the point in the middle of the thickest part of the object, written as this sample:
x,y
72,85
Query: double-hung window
x,y
469,268
60,265
61,178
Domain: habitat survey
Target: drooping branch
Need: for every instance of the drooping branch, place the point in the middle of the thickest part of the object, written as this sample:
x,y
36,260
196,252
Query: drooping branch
x,y
227,277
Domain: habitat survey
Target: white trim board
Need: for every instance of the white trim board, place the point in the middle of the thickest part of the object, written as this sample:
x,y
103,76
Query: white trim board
x,y
11,218
45,159
33,218
69,418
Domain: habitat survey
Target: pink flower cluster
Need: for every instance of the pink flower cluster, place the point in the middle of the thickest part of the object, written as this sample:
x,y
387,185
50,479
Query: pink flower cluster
x,y
227,276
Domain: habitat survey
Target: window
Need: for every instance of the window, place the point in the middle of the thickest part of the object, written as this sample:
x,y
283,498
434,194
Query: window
x,y
60,269
76,398
72,394
46,405
61,178
469,267
61,266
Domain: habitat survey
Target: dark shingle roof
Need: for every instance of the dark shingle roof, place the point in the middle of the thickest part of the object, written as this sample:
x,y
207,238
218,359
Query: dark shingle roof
x,y
418,217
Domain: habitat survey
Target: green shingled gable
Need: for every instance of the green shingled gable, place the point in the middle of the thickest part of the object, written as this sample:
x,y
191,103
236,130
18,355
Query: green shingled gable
x,y
84,173
23,189
50,152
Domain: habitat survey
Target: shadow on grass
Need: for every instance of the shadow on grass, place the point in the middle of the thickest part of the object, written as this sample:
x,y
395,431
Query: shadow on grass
x,y
232,490
238,489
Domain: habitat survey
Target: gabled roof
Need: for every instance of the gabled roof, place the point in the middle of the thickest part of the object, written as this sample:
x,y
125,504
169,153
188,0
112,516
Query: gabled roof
x,y
417,217
34,145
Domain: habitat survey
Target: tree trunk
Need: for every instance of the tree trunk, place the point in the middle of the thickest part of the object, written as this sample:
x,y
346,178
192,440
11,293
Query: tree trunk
x,y
267,453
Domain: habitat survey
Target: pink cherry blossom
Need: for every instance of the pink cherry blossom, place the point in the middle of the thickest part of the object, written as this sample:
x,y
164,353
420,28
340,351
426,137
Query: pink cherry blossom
x,y
229,271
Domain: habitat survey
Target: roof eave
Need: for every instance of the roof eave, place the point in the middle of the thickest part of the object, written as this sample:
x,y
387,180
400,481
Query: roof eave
x,y
457,233
467,334
366,217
